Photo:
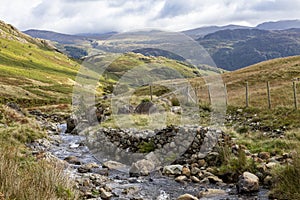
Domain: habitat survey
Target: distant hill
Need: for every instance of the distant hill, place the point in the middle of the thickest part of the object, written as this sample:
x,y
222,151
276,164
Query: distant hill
x,y
56,37
202,31
231,47
197,33
98,36
235,49
279,25
68,38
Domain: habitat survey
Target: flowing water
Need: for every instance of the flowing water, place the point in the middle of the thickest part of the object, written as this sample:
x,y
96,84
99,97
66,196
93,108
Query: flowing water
x,y
154,186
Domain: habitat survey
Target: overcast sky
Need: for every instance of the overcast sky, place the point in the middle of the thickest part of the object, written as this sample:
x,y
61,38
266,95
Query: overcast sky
x,y
98,16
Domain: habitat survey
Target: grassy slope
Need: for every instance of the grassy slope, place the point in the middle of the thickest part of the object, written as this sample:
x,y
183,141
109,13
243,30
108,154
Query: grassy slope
x,y
30,70
279,72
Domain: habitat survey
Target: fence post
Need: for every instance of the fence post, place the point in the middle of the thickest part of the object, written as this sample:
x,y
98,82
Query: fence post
x,y
197,93
150,85
269,95
247,94
208,91
187,94
295,95
226,95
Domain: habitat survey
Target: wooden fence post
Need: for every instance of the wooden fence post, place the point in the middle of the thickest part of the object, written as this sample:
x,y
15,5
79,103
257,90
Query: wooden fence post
x,y
188,93
208,91
150,85
295,95
226,95
247,94
269,94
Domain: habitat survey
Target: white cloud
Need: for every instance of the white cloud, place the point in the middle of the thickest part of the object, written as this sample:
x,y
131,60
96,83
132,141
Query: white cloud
x,y
77,16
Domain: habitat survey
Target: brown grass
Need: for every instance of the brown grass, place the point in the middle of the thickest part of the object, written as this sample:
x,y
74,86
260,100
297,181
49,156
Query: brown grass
x,y
279,72
23,178
286,180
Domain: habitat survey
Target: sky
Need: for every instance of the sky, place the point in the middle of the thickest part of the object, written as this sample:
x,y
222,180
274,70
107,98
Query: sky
x,y
100,16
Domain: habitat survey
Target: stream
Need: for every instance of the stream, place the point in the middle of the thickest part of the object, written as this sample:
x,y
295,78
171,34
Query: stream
x,y
154,186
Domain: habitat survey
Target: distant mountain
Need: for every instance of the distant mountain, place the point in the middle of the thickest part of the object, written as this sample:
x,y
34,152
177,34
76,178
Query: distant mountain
x,y
200,32
235,49
56,37
98,36
232,46
279,25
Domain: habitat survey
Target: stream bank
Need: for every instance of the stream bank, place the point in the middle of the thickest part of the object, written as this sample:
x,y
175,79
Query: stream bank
x,y
97,182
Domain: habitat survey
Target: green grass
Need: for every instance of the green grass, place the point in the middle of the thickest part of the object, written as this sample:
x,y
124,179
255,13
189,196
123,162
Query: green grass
x,y
233,165
286,180
146,147
25,67
278,118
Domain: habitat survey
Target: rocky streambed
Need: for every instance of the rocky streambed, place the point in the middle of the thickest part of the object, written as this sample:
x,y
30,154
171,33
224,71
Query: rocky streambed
x,y
99,179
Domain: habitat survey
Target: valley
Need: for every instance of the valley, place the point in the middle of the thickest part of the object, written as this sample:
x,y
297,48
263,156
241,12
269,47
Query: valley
x,y
148,124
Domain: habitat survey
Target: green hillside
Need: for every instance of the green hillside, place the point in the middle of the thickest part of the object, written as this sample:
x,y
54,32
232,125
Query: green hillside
x,y
33,71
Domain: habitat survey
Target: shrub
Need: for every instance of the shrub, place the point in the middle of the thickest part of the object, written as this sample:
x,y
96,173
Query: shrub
x,y
146,100
175,101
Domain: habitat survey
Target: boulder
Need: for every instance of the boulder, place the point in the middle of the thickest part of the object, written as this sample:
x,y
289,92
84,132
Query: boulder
x,y
127,109
186,171
141,168
146,107
73,160
87,167
94,115
195,179
176,109
248,183
214,179
210,193
114,165
187,197
104,194
14,106
172,170
264,155
195,171
271,165
181,179
71,124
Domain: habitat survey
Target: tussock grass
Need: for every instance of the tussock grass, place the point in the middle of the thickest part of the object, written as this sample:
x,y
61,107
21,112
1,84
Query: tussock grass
x,y
231,165
21,175
23,178
286,180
